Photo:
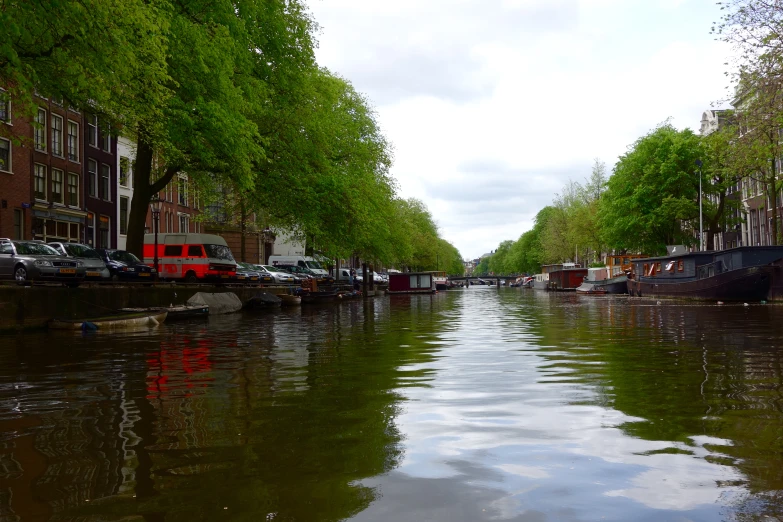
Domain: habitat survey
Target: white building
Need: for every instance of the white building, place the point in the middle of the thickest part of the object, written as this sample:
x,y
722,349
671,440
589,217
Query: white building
x,y
126,154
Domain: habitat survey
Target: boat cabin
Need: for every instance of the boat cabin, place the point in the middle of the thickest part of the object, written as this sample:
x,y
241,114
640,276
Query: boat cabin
x,y
412,283
619,264
566,279
671,268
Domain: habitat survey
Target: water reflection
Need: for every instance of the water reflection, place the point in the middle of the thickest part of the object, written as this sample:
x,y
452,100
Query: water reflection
x,y
478,404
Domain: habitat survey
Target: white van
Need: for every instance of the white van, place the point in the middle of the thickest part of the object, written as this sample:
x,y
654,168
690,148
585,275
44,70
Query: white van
x,y
303,261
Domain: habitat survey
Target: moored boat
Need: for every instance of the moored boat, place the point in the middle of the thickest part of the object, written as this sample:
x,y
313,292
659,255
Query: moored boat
x,y
441,280
598,282
174,313
566,279
737,274
129,321
290,300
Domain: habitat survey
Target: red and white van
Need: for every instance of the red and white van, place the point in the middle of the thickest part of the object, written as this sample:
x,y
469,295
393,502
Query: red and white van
x,y
190,257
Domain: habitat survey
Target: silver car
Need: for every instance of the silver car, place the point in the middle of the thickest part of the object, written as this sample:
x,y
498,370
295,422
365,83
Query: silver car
x,y
280,275
28,261
95,268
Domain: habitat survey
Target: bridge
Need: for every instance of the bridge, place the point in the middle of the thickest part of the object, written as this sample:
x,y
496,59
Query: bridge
x,y
474,280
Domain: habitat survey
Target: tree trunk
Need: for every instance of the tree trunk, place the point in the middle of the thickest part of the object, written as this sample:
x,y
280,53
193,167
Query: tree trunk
x,y
773,199
242,228
141,198
143,189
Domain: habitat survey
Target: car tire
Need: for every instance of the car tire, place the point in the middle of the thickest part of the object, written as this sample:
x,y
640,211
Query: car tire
x,y
72,285
115,278
191,278
20,275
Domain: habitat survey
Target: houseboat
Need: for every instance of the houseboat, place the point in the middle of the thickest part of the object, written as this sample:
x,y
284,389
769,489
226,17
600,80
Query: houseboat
x,y
599,282
441,280
411,283
737,274
566,279
541,281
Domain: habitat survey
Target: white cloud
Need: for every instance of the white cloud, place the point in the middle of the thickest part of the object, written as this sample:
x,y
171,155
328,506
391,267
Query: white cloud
x,y
533,90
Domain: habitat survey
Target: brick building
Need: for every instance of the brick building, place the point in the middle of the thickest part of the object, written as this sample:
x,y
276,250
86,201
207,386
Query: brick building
x,y
101,186
15,173
56,173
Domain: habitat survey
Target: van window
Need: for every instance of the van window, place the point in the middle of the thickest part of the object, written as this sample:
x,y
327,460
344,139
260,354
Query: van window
x,y
195,251
219,252
172,251
301,263
314,264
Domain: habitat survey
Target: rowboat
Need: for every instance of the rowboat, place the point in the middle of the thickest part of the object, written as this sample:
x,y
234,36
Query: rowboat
x,y
174,312
114,322
290,300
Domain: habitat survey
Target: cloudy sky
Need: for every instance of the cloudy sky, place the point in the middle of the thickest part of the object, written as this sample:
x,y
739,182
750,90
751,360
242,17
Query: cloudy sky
x,y
493,105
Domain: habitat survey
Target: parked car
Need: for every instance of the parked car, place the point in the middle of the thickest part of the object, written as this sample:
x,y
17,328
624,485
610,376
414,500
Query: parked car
x,y
95,267
251,274
28,261
280,275
300,270
376,277
124,266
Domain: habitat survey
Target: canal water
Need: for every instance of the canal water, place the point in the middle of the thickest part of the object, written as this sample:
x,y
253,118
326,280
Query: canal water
x,y
470,405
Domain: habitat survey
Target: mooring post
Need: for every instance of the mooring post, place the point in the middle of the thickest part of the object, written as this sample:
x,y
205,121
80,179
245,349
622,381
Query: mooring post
x,y
364,279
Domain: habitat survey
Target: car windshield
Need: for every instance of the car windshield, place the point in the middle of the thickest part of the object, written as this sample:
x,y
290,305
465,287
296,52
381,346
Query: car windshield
x,y
314,264
273,268
124,257
219,252
81,251
28,248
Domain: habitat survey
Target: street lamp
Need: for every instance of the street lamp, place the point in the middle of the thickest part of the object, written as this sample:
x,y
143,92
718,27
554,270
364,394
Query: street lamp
x,y
701,217
155,205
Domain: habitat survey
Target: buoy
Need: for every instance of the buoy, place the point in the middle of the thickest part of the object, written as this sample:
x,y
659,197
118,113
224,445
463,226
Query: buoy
x,y
745,304
720,302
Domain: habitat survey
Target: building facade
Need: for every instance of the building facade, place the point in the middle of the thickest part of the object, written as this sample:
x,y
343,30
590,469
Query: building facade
x,y
100,175
15,173
126,156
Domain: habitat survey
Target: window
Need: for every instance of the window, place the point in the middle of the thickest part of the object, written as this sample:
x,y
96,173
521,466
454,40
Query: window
x,y
92,131
39,182
57,186
103,232
73,141
105,174
172,251
195,251
106,140
18,224
39,133
182,190
92,177
5,155
57,135
124,172
123,215
5,107
73,189
184,222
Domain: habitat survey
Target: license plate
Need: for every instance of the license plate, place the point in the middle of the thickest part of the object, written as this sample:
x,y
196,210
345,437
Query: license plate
x,y
67,270
144,274
224,276
93,274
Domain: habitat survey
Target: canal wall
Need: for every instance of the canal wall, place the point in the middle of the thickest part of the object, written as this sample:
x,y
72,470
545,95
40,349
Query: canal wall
x,y
30,307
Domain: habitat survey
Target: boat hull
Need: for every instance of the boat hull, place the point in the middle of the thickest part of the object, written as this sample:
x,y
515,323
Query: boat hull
x,y
541,285
127,322
616,285
744,284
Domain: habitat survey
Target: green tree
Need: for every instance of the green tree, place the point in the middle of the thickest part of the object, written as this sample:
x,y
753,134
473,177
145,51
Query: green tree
x,y
224,60
498,262
653,190
483,267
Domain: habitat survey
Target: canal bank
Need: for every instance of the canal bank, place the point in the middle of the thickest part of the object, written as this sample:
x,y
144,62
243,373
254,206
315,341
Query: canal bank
x,y
31,307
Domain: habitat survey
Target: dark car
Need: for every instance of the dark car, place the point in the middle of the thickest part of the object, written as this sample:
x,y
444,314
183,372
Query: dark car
x,y
256,274
94,266
28,261
247,273
302,271
124,266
